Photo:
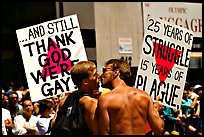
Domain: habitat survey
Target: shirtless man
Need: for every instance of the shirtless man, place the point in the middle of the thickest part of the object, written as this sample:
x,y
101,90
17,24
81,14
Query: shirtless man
x,y
84,75
124,110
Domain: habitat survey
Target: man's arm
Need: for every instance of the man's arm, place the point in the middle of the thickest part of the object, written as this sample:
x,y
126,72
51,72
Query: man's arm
x,y
89,104
18,128
153,117
103,117
192,106
61,103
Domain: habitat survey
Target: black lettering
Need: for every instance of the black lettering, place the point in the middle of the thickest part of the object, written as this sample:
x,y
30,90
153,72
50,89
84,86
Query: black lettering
x,y
174,95
46,60
36,31
177,56
171,54
49,89
29,46
51,44
168,92
68,38
40,46
62,40
187,57
72,24
149,45
155,44
64,69
55,56
52,72
50,25
58,87
66,83
153,90
39,74
140,82
31,34
56,25
160,48
162,93
64,55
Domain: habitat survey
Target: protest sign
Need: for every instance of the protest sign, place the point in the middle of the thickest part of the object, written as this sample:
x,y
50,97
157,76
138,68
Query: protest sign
x,y
164,61
49,50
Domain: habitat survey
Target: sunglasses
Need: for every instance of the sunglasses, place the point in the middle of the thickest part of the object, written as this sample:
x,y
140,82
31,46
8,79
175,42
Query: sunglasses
x,y
105,69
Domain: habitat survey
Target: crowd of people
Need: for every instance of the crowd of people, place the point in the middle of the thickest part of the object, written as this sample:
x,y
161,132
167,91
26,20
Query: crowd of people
x,y
119,109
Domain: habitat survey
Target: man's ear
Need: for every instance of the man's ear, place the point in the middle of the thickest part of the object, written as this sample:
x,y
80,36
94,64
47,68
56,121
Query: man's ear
x,y
84,82
116,73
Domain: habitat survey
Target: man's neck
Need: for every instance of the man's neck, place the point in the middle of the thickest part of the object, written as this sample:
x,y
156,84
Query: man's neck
x,y
118,82
27,117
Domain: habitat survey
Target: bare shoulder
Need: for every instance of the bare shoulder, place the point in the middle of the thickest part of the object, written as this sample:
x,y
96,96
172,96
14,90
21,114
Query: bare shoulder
x,y
139,94
106,98
87,101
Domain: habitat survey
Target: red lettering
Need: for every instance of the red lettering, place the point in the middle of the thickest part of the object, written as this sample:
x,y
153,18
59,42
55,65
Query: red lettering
x,y
180,24
193,26
199,25
171,18
186,24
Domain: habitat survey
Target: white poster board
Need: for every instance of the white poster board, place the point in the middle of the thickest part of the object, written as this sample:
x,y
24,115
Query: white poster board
x,y
164,61
49,50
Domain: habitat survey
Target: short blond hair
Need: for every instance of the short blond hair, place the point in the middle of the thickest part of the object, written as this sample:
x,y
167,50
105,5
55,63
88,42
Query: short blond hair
x,y
82,70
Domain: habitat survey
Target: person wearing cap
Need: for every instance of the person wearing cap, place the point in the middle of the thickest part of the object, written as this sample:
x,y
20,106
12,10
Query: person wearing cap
x,y
198,90
192,94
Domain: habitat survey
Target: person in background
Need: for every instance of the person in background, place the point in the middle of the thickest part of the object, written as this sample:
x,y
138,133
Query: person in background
x,y
5,100
125,110
25,124
187,107
45,115
20,91
4,132
11,88
36,108
198,110
14,107
172,121
2,93
26,94
6,118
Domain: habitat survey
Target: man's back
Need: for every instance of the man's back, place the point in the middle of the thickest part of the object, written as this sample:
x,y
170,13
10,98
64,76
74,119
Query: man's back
x,y
128,109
